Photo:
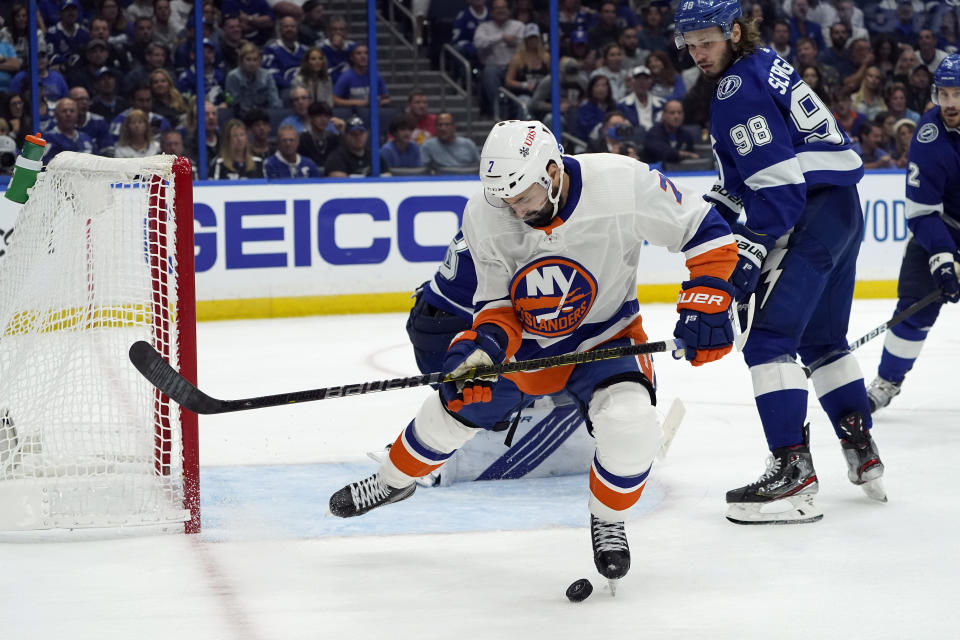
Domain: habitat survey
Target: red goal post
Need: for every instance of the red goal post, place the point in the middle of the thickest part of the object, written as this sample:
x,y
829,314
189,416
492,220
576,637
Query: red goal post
x,y
101,256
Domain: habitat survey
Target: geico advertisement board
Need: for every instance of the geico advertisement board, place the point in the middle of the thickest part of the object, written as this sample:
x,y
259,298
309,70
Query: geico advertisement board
x,y
293,247
377,236
322,238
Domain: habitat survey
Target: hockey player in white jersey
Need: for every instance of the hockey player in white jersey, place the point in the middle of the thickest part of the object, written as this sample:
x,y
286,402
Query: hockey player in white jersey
x,y
556,243
786,163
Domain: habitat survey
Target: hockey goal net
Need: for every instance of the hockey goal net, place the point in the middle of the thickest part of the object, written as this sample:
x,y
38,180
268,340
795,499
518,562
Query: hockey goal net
x,y
101,256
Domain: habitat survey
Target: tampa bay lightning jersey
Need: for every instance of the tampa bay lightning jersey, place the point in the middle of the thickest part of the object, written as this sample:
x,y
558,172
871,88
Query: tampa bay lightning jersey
x,y
455,281
773,137
281,62
933,184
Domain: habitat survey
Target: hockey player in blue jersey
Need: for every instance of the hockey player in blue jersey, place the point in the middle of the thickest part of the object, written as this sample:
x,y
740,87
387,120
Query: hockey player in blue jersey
x,y
785,162
933,217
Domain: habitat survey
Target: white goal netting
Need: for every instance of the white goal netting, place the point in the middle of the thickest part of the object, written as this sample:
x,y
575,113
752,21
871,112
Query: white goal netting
x,y
85,441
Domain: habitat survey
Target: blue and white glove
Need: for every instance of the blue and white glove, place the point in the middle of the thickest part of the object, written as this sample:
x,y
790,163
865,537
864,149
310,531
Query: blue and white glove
x,y
751,252
704,324
470,349
944,270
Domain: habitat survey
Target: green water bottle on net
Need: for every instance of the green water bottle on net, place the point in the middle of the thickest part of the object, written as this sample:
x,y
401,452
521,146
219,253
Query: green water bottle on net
x,y
28,166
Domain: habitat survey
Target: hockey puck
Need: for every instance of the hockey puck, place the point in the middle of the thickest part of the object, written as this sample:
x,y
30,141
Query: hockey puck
x,y
579,591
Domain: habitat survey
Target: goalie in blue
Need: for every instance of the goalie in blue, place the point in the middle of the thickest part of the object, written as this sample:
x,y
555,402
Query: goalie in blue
x,y
933,216
786,163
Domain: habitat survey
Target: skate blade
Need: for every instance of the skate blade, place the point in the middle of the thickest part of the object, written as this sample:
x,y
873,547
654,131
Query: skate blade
x,y
612,584
874,490
790,510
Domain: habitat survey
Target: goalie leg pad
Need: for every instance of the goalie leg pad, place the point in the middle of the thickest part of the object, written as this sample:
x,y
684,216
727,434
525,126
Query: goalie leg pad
x,y
427,442
627,431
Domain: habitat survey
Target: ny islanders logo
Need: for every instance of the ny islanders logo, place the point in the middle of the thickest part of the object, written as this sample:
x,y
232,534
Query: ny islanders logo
x,y
552,296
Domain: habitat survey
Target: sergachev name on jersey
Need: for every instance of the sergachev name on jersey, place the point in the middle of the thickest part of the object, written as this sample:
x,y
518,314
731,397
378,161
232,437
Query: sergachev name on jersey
x,y
780,72
552,295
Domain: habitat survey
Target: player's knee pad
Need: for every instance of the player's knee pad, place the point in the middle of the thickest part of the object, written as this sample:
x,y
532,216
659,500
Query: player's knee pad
x,y
626,428
836,374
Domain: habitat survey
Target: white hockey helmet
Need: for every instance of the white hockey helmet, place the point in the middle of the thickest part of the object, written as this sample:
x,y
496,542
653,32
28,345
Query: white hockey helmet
x,y
515,156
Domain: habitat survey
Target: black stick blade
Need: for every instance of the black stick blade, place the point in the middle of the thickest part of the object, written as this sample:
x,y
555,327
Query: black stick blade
x,y
165,378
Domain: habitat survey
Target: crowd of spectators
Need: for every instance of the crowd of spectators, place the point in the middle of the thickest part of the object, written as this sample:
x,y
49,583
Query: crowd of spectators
x,y
288,93
870,61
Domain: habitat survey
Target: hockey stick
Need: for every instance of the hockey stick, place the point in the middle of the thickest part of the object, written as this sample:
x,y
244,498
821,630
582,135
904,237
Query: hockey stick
x,y
742,331
930,298
671,423
165,378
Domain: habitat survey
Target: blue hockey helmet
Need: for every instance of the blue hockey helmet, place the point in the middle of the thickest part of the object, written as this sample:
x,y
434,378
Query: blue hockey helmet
x,y
702,14
947,74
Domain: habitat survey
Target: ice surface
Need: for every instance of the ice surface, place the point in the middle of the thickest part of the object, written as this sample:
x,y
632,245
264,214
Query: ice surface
x,y
493,559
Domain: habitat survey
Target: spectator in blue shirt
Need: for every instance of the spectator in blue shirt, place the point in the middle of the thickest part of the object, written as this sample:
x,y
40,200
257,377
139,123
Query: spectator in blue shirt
x,y
92,124
54,86
599,101
67,38
65,136
353,87
282,57
800,27
869,149
286,162
9,64
215,80
337,48
300,103
465,25
401,151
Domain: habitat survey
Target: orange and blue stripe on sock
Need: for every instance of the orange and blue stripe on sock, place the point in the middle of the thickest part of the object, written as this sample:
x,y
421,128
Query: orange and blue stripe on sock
x,y
616,492
412,457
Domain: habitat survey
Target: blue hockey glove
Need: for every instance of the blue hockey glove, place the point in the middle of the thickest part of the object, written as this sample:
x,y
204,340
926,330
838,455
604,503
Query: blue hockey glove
x,y
944,270
751,253
704,324
471,349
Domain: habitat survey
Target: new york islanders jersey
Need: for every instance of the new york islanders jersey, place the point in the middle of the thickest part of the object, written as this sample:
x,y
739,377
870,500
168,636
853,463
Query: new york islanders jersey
x,y
933,184
572,285
773,137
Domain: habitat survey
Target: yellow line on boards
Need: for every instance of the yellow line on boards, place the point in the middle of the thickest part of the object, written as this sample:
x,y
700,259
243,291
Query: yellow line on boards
x,y
400,302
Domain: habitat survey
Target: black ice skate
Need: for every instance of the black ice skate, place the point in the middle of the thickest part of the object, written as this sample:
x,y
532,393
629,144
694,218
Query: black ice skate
x,y
357,498
864,467
783,494
611,553
880,392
